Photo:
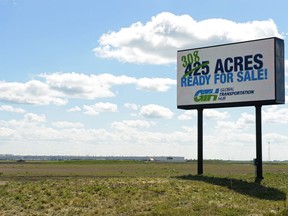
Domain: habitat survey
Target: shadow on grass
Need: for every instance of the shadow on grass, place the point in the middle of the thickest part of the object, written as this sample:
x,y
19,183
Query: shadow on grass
x,y
240,186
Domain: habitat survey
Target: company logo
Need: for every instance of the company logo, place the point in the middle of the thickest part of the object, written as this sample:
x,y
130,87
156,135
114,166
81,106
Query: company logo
x,y
206,95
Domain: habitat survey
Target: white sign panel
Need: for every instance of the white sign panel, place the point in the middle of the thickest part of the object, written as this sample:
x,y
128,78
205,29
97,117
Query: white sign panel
x,y
235,74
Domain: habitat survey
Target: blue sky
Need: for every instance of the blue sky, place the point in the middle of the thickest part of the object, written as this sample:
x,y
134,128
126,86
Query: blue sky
x,y
91,78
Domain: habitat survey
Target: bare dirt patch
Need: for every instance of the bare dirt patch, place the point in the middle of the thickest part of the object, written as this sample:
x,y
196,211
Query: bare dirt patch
x,y
3,183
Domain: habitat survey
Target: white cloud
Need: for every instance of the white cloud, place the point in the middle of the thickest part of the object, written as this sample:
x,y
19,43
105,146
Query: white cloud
x,y
246,118
33,132
190,129
99,107
7,108
128,124
214,114
32,117
275,115
157,41
133,139
155,111
227,125
243,122
78,85
32,92
57,88
276,138
6,132
188,114
155,84
74,109
129,137
131,106
66,124
270,115
208,114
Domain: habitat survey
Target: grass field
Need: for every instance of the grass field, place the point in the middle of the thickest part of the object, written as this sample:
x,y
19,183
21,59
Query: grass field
x,y
141,188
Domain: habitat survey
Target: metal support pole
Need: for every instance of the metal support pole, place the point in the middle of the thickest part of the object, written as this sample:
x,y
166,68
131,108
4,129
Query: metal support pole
x,y
259,170
200,141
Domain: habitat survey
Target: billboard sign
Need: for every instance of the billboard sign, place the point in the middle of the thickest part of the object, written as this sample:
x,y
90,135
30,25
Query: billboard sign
x,y
236,74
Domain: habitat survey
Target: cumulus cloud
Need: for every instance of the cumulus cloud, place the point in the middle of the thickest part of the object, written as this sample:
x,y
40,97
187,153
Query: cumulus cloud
x,y
74,109
208,114
243,122
6,132
57,88
270,115
98,108
93,86
214,114
66,134
155,84
157,41
66,124
276,138
275,115
128,137
78,85
32,92
246,118
156,111
101,107
128,124
32,117
8,108
187,115
131,106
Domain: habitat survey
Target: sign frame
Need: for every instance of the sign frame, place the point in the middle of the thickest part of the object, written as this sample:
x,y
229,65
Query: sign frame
x,y
278,84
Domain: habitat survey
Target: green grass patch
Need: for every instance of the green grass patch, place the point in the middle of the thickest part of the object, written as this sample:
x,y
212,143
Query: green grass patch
x,y
141,188
192,195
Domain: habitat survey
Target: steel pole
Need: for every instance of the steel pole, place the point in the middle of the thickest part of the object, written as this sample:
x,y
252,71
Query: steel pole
x,y
259,169
200,141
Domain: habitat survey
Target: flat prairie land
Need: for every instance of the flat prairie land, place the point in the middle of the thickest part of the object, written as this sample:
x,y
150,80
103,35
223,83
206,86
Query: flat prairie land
x,y
141,188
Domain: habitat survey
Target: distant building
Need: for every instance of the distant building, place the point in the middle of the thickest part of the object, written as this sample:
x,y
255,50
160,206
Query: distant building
x,y
63,157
